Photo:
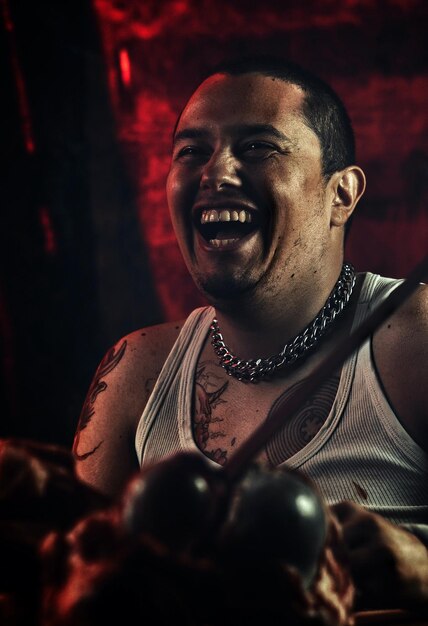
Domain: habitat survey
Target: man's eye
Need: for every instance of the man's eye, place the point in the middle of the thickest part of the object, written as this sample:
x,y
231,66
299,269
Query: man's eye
x,y
258,149
189,151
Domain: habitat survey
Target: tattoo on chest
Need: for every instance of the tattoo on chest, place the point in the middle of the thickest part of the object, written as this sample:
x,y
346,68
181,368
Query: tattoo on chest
x,y
211,409
109,362
207,431
302,427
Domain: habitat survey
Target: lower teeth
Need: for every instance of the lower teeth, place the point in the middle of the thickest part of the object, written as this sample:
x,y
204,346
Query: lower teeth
x,y
219,243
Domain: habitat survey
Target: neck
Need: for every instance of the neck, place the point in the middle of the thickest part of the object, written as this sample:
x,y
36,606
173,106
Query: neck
x,y
259,326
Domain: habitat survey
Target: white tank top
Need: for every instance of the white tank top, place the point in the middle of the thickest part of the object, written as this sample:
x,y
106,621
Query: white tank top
x,y
361,453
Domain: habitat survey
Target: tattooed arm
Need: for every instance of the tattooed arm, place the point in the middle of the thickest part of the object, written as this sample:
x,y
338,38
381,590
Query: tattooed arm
x,y
104,441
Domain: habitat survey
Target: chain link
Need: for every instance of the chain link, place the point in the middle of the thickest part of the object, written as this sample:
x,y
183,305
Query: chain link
x,y
255,370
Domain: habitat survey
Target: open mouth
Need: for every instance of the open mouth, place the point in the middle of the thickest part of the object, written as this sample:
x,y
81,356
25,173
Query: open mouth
x,y
224,227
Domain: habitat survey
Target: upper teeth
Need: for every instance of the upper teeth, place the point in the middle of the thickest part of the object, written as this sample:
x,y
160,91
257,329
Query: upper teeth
x,y
224,215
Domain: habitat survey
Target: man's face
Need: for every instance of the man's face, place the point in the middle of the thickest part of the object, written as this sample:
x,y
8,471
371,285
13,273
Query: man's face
x,y
245,188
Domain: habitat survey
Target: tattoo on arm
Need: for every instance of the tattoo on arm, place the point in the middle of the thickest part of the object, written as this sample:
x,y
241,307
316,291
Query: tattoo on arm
x,y
109,362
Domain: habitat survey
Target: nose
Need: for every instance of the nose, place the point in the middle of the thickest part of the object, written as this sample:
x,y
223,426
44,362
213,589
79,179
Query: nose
x,y
220,171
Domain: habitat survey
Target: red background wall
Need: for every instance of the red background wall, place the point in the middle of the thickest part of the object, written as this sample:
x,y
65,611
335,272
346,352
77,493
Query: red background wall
x,y
92,91
373,54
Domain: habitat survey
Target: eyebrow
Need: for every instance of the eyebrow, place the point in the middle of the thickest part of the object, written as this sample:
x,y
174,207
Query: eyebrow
x,y
262,129
189,133
240,129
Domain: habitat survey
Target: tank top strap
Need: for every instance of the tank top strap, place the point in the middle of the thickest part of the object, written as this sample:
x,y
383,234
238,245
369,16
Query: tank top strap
x,y
374,290
183,354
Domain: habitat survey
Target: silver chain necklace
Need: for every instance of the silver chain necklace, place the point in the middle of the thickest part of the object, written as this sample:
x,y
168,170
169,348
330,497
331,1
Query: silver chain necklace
x,y
256,370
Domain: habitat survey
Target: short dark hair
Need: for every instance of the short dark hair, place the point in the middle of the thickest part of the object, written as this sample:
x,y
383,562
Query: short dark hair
x,y
322,108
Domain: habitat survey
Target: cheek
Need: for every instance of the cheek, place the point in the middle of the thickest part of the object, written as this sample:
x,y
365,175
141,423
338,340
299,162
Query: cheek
x,y
298,213
174,194
171,190
180,199
181,189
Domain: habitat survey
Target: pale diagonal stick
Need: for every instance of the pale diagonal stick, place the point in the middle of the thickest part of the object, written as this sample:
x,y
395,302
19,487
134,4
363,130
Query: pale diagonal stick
x,y
285,407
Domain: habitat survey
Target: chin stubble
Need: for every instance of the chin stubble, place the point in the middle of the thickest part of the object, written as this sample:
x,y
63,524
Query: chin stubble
x,y
225,287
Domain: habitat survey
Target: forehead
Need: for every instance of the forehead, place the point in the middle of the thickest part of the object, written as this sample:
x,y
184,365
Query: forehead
x,y
226,101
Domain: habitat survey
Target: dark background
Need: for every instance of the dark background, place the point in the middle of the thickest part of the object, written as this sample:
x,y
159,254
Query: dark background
x,y
90,93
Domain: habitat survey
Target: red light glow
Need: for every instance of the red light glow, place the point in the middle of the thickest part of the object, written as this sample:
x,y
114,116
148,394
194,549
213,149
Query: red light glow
x,y
50,243
24,108
125,66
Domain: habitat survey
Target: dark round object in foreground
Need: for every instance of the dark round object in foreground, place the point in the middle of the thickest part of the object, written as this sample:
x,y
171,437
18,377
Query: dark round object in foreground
x,y
278,515
176,501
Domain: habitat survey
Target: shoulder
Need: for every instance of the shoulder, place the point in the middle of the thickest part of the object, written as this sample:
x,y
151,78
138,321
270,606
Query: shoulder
x,y
400,349
407,325
140,356
104,442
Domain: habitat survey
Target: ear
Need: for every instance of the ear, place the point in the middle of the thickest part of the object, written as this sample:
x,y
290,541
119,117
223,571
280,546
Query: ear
x,y
348,186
